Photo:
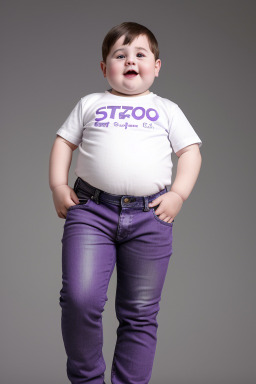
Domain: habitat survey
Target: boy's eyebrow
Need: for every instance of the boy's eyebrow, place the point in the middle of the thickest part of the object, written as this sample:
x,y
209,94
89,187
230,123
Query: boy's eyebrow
x,y
121,49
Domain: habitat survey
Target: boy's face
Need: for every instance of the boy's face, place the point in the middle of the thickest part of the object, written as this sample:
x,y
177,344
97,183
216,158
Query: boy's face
x,y
131,69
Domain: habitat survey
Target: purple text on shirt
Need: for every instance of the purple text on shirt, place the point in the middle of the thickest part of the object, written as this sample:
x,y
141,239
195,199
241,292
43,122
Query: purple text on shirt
x,y
137,113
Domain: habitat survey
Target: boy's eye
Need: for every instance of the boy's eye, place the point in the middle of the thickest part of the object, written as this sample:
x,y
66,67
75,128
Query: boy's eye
x,y
138,55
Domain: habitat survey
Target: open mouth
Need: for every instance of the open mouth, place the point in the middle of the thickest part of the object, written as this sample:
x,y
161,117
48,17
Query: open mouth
x,y
131,73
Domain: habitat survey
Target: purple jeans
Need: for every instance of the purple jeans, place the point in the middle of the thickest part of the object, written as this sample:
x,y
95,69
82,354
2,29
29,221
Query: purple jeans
x,y
102,231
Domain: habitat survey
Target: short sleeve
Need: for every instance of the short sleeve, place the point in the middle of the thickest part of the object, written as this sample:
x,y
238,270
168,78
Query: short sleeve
x,y
181,133
72,128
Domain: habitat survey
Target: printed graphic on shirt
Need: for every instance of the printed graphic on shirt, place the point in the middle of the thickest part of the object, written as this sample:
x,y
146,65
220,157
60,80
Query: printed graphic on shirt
x,y
118,112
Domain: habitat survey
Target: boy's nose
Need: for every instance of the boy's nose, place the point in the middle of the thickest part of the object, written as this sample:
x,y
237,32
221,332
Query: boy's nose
x,y
130,61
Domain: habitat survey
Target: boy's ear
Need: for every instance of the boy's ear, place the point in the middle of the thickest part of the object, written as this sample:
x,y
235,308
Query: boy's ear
x,y
103,68
157,67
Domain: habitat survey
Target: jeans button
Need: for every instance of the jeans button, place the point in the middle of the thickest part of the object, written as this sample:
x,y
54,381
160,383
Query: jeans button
x,y
126,200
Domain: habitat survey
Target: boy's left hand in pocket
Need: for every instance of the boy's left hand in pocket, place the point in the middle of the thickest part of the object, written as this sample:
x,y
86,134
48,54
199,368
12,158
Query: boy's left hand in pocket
x,y
170,205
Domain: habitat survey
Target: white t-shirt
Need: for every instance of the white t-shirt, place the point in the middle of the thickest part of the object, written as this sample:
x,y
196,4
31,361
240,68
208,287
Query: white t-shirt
x,y
125,143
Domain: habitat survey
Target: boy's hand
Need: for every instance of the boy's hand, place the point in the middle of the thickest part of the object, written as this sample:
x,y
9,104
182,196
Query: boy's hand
x,y
170,205
63,198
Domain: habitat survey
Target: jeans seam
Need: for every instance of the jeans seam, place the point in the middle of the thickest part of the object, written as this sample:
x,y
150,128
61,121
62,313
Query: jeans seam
x,y
101,336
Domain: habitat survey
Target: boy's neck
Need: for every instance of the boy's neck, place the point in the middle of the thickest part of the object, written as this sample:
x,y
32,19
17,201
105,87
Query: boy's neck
x,y
114,92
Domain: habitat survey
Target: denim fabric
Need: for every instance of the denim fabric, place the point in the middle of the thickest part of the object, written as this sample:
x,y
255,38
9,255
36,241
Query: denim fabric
x,y
102,231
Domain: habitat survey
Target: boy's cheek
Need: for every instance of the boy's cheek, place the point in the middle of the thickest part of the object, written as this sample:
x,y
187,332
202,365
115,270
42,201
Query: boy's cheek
x,y
113,71
149,70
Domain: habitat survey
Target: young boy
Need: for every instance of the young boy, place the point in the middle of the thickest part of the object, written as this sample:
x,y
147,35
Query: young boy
x,y
120,212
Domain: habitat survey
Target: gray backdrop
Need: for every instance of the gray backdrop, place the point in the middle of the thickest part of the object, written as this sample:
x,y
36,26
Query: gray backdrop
x,y
50,55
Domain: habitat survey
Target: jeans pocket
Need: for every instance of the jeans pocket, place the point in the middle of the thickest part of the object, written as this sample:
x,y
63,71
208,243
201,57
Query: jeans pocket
x,y
158,219
82,195
82,203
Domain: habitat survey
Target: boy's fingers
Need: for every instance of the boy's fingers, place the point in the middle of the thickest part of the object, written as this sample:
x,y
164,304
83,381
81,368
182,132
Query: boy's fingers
x,y
74,197
72,203
61,215
155,202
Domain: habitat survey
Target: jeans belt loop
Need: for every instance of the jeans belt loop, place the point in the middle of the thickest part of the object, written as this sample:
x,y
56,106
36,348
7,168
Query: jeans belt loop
x,y
96,195
146,207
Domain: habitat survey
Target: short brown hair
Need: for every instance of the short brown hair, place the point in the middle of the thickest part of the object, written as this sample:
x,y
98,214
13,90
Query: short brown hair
x,y
130,30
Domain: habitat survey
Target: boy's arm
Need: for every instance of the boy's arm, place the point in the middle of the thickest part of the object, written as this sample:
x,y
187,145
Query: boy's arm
x,y
60,161
188,169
